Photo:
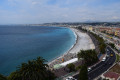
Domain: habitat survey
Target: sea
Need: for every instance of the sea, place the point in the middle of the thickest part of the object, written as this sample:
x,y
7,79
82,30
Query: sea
x,y
19,43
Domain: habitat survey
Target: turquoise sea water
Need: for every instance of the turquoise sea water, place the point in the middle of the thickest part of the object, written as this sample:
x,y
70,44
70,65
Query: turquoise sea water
x,y
19,44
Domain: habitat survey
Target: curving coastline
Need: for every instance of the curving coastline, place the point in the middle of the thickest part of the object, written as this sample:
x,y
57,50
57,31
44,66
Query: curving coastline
x,y
83,42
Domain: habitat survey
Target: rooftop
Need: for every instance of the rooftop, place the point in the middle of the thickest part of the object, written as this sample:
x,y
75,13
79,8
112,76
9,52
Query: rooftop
x,y
112,75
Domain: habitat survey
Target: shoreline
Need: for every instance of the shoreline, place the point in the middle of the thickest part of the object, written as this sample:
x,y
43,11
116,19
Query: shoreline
x,y
81,39
60,56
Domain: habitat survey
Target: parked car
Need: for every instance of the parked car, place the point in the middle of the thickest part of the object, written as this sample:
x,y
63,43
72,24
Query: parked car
x,y
104,59
107,55
89,69
71,78
111,54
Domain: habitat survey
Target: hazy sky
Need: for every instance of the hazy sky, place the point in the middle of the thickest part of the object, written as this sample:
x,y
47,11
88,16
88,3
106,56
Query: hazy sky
x,y
42,11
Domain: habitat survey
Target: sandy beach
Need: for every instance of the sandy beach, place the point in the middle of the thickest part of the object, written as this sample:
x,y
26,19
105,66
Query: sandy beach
x,y
83,42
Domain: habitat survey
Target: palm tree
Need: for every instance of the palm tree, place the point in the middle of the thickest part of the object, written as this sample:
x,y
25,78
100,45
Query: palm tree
x,y
35,70
2,77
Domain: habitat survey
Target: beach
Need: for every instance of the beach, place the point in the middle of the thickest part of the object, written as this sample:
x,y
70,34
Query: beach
x,y
83,42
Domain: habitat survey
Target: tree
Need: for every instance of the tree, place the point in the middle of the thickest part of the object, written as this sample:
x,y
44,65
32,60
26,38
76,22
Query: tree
x,y
112,45
105,79
14,76
71,67
83,74
2,77
33,70
90,56
102,48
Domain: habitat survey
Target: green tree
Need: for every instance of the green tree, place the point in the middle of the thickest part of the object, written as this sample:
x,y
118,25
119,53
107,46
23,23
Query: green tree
x,y
112,45
71,67
90,56
14,76
102,48
83,74
2,77
33,70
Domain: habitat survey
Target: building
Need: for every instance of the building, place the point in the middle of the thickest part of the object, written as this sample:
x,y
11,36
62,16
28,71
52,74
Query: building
x,y
117,32
111,76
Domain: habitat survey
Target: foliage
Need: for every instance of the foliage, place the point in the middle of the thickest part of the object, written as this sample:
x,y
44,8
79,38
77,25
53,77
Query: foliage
x,y
15,76
112,45
78,67
102,45
80,28
117,58
83,75
102,48
90,56
33,70
2,77
71,67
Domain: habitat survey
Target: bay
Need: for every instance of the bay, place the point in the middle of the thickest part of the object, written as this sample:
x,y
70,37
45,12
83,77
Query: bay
x,y
19,44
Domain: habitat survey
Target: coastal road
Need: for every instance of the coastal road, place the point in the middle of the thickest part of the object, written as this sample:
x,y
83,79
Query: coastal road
x,y
102,66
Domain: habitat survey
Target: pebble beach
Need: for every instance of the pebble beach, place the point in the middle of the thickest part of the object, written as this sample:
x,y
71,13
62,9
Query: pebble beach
x,y
83,42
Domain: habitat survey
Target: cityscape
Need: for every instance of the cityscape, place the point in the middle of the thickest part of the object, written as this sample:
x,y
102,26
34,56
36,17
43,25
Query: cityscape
x,y
111,36
102,51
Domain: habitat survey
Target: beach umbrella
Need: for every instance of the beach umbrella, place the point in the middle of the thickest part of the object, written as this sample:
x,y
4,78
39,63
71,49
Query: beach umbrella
x,y
62,59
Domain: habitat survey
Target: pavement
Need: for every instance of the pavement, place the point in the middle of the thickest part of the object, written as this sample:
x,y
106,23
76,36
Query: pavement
x,y
103,66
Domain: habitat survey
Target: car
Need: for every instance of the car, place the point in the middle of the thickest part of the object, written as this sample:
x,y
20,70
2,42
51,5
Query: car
x,y
107,55
70,78
89,69
111,54
74,79
104,59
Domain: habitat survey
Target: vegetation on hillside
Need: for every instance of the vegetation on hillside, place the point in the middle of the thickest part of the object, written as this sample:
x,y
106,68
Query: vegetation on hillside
x,y
2,77
32,70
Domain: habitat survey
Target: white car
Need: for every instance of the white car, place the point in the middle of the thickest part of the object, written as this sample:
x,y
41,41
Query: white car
x,y
104,59
71,78
89,69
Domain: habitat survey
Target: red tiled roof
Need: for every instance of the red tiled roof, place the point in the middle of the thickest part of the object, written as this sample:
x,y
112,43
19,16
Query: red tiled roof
x,y
117,28
105,28
112,75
